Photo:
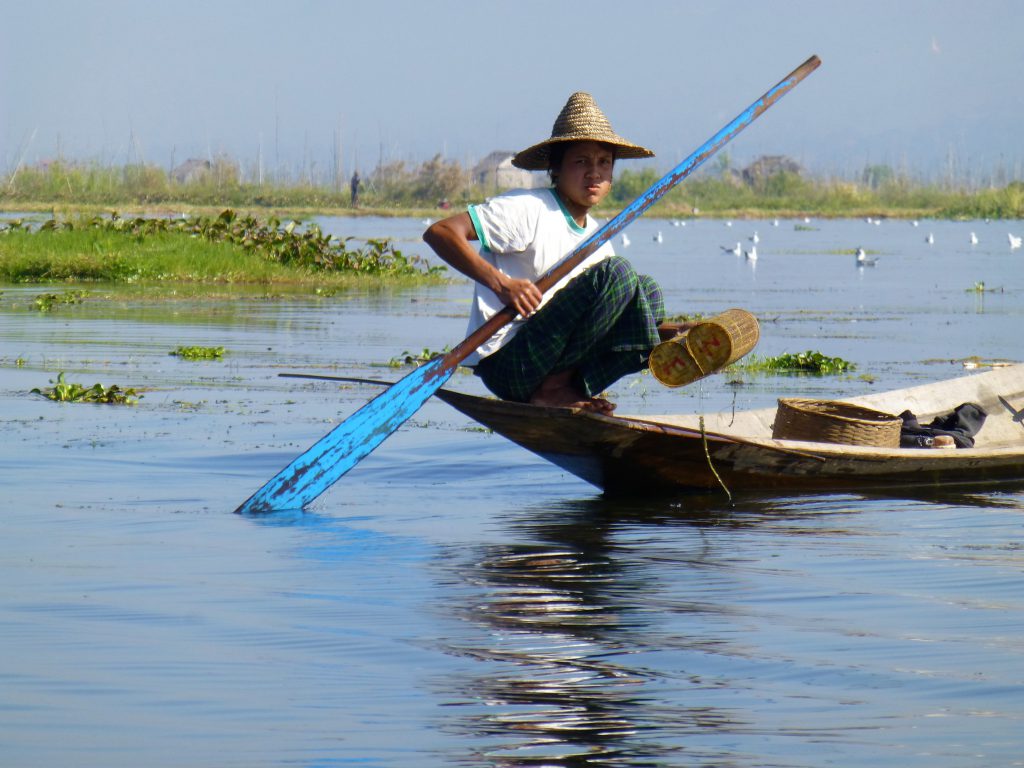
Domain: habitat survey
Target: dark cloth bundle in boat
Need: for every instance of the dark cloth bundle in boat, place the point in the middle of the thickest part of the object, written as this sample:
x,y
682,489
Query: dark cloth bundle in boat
x,y
962,424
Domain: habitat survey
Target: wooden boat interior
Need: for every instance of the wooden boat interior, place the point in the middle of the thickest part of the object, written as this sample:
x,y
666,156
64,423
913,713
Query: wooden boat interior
x,y
999,391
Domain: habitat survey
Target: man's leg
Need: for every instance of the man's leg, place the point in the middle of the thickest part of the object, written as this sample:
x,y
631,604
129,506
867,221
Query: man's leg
x,y
608,310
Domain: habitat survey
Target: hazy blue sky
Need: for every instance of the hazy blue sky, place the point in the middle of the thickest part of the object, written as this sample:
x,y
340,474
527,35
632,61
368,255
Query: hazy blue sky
x,y
908,83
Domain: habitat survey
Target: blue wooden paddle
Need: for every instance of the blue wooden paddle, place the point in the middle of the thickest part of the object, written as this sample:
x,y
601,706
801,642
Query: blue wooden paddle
x,y
347,444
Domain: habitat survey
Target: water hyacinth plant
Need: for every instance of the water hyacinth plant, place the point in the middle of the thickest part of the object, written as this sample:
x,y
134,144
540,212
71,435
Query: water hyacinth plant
x,y
199,353
800,362
47,302
69,392
223,248
290,244
409,358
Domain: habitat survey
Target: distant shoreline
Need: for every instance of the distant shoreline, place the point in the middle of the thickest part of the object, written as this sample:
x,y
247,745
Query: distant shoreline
x,y
304,213
774,187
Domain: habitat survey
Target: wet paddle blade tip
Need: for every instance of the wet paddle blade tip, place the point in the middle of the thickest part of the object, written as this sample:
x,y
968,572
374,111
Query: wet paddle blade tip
x,y
324,463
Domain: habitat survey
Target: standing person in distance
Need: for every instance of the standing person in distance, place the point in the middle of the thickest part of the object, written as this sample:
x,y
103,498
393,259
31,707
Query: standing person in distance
x,y
353,186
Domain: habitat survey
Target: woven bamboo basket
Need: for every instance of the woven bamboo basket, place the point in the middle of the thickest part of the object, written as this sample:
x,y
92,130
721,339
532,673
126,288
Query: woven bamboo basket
x,y
705,348
831,421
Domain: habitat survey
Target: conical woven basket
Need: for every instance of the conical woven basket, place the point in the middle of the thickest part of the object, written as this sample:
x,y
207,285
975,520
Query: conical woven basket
x,y
705,348
831,421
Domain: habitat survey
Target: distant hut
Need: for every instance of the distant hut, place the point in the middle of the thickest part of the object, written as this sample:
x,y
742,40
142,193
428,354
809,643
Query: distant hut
x,y
766,166
193,169
496,172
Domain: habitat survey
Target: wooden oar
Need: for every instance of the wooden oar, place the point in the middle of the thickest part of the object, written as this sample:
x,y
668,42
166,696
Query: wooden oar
x,y
347,444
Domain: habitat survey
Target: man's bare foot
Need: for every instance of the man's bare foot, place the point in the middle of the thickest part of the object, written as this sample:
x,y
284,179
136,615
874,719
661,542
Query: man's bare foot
x,y
573,400
557,391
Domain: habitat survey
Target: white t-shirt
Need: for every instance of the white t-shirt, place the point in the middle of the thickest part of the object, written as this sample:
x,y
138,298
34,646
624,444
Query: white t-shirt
x,y
524,233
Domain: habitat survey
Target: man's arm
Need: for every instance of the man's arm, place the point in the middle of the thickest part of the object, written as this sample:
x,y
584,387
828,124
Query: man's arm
x,y
451,240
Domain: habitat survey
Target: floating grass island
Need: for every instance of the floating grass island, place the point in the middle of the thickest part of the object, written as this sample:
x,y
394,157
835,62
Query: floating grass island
x,y
206,250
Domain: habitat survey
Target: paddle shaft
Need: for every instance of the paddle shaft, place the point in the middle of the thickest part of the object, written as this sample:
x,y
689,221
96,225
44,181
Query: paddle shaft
x,y
324,463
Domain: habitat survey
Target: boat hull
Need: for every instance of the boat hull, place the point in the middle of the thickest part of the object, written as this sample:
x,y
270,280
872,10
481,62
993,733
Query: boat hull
x,y
648,455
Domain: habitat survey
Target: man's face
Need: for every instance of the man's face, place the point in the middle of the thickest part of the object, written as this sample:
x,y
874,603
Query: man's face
x,y
585,177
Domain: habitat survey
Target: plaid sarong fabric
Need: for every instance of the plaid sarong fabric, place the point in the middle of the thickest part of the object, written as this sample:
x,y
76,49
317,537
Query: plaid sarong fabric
x,y
603,324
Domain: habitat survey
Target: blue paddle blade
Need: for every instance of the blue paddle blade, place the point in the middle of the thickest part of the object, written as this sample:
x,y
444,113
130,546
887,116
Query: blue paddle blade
x,y
347,444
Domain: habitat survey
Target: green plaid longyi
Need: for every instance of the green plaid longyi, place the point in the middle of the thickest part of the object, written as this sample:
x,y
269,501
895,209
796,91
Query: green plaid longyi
x,y
604,323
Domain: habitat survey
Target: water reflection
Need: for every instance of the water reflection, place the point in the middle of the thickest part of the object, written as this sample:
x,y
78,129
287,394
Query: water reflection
x,y
564,699
568,623
1004,496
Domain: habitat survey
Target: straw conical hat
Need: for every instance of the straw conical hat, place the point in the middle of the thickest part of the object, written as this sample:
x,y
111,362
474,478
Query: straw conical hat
x,y
579,120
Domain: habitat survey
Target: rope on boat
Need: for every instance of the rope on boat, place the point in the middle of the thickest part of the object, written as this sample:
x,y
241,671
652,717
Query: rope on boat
x,y
707,455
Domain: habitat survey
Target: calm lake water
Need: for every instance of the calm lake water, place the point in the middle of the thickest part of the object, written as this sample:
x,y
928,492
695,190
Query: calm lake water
x,y
456,601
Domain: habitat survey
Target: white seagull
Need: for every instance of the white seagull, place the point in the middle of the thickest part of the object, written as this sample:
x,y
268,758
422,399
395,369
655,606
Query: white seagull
x,y
658,238
625,240
736,250
863,260
1014,241
754,238
751,254
974,239
930,239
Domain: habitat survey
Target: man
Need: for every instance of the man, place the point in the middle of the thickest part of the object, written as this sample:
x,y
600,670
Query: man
x,y
354,189
596,325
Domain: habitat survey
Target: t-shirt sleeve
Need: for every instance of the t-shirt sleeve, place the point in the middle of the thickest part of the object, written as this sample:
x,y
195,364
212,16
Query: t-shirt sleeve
x,y
505,224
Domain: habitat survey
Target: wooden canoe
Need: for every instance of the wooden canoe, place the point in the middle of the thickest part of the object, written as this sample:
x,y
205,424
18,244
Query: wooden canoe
x,y
630,454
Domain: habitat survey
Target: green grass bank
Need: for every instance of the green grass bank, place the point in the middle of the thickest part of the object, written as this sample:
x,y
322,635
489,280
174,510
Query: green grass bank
x,y
201,250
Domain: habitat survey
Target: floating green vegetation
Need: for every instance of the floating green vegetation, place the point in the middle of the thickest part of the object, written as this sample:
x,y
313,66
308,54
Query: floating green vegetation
x,y
974,361
47,302
410,358
68,392
687,317
801,362
979,287
223,248
199,353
